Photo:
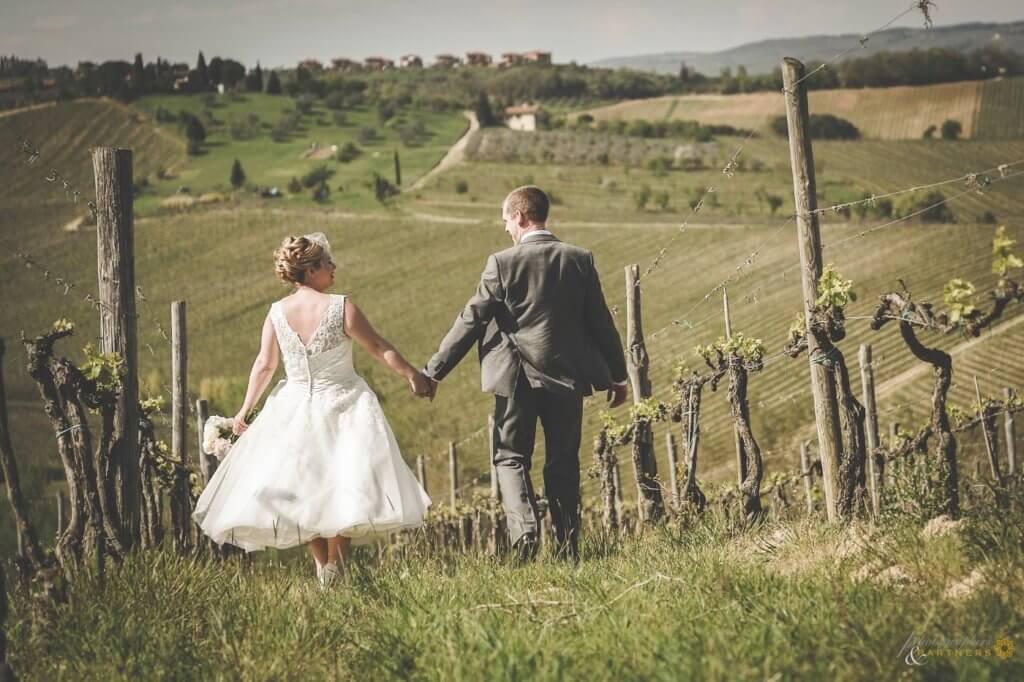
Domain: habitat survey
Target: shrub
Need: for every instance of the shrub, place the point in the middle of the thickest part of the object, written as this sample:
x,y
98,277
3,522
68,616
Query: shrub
x,y
366,135
304,104
461,186
382,189
661,200
348,152
987,218
821,127
317,176
928,207
294,186
929,132
951,129
641,197
340,119
335,101
321,192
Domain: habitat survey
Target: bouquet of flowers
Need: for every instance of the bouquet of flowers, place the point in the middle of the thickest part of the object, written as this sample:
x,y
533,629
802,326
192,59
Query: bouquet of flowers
x,y
218,436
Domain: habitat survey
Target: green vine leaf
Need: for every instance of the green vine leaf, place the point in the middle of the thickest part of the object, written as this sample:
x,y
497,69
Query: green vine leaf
x,y
1003,257
106,369
833,290
958,295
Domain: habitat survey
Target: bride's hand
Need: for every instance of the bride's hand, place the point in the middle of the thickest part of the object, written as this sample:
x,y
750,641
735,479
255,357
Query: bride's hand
x,y
239,425
421,386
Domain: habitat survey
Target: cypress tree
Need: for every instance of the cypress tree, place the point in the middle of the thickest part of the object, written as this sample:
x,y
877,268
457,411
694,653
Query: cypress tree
x,y
237,174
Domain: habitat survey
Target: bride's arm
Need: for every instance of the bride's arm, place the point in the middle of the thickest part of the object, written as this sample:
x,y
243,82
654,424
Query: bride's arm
x,y
361,331
262,372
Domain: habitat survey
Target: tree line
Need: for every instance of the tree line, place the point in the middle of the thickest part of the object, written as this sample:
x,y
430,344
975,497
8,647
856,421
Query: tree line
x,y
441,89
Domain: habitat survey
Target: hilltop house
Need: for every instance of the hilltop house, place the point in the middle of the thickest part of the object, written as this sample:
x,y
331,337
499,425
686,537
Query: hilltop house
x,y
478,59
537,57
446,60
379,63
522,117
534,57
410,61
342,64
511,59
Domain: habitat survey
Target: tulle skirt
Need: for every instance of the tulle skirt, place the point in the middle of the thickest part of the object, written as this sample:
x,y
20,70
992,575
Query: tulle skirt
x,y
312,465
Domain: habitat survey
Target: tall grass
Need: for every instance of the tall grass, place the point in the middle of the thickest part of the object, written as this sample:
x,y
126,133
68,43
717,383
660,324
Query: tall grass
x,y
791,600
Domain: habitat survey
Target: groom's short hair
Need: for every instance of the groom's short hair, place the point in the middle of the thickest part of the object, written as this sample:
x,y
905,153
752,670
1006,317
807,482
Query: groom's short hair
x,y
531,201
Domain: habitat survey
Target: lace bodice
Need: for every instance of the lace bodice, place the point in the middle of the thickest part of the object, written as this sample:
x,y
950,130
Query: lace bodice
x,y
327,359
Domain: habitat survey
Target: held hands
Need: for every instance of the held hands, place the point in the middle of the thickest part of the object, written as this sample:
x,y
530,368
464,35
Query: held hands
x,y
422,385
617,394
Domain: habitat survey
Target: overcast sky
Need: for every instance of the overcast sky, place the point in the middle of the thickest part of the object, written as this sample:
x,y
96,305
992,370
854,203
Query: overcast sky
x,y
282,32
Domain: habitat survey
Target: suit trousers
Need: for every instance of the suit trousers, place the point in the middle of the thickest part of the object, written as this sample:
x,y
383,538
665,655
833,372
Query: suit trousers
x,y
515,431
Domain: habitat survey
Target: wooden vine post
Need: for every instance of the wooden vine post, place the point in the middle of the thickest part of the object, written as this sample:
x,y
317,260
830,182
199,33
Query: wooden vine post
x,y
650,505
181,509
875,460
115,267
826,407
741,456
1011,443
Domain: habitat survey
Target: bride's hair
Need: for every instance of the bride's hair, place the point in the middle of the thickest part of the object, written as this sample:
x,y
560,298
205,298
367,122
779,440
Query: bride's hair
x,y
295,256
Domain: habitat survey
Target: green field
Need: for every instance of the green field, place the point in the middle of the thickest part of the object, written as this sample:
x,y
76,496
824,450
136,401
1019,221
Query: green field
x,y
411,266
989,110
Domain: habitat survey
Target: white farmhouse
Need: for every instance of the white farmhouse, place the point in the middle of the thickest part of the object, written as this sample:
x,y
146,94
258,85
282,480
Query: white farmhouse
x,y
522,117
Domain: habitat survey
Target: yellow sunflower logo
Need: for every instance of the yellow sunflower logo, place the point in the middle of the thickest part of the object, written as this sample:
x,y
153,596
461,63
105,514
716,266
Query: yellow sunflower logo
x,y
1004,647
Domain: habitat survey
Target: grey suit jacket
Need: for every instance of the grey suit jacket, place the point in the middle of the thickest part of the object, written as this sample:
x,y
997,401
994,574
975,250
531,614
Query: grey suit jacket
x,y
538,309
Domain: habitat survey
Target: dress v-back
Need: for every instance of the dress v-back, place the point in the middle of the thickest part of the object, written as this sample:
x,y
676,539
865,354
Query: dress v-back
x,y
320,458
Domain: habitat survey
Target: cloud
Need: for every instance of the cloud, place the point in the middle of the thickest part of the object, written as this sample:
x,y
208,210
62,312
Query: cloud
x,y
56,22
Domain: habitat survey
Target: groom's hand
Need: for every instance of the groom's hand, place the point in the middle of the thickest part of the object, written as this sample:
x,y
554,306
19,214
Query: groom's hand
x,y
617,394
433,387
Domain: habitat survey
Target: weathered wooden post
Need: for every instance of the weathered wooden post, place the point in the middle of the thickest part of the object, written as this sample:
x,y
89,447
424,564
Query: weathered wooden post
x,y
826,405
990,447
207,463
398,171
807,473
421,471
495,488
1011,443
453,472
650,506
619,502
673,468
741,457
179,423
875,463
894,439
115,268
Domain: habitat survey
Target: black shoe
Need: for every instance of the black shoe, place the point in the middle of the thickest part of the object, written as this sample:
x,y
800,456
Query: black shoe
x,y
526,547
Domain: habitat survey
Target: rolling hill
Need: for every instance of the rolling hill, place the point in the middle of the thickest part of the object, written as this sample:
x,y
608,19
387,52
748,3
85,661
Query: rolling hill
x,y
987,110
763,56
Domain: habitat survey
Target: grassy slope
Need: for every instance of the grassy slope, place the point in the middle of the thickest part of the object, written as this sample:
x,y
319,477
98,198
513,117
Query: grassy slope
x,y
411,268
275,163
794,600
985,109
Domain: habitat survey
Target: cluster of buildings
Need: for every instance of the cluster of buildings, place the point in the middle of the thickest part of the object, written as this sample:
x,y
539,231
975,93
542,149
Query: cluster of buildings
x,y
445,61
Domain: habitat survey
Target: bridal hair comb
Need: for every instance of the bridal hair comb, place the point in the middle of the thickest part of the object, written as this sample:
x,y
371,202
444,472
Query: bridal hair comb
x,y
321,239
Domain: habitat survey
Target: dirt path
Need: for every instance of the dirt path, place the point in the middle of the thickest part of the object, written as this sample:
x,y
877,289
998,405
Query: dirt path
x,y
13,112
455,155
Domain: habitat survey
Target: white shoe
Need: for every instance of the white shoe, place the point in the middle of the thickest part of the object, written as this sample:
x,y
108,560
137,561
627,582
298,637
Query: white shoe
x,y
328,575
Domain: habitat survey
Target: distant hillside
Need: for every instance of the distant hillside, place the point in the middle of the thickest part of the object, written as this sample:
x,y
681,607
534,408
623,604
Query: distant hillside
x,y
987,110
764,55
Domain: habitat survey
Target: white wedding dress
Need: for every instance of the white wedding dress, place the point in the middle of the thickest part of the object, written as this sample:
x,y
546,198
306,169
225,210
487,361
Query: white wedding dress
x,y
320,458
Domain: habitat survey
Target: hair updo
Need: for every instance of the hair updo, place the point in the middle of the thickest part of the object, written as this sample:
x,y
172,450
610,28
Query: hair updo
x,y
295,257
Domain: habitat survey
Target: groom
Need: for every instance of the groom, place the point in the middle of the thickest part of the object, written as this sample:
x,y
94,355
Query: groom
x,y
545,337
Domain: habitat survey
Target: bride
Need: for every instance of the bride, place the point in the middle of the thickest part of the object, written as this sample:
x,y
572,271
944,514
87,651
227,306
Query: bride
x,y
320,464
